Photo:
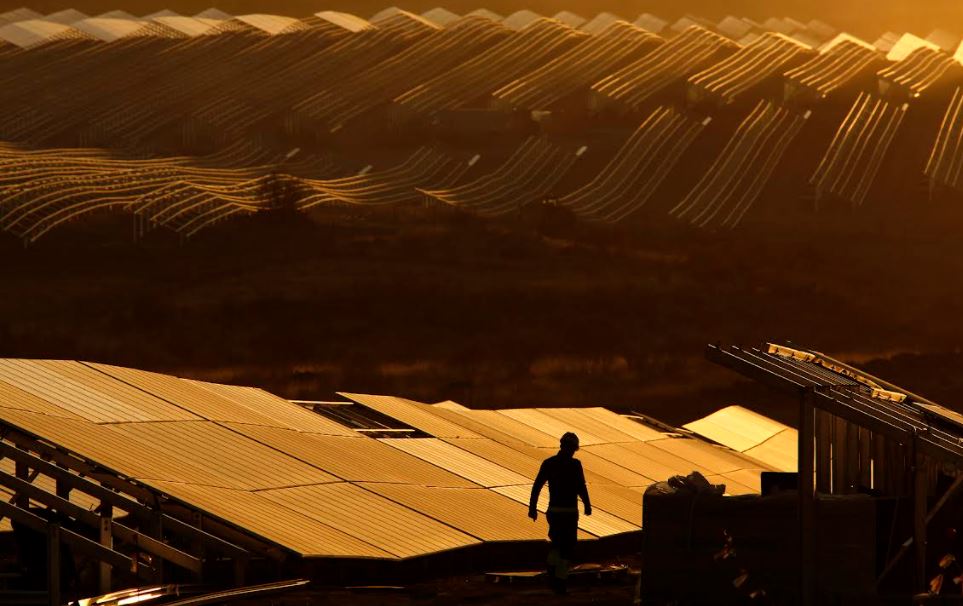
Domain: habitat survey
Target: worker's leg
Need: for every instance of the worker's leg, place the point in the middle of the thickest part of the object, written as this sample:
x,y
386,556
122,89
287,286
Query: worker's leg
x,y
553,552
566,546
564,534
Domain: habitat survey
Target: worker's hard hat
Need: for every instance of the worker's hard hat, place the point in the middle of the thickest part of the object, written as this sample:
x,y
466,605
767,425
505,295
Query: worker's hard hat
x,y
570,440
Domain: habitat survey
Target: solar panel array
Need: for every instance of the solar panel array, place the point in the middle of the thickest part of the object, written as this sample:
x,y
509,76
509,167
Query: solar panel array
x,y
45,189
751,433
728,189
637,170
295,479
184,121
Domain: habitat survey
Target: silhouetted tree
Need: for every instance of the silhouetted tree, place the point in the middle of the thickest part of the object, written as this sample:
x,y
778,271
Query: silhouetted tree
x,y
281,192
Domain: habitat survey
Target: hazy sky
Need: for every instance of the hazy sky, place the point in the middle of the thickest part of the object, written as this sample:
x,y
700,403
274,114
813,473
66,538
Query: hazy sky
x,y
865,17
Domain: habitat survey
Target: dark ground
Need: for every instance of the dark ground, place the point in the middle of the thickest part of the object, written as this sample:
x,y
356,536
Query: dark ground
x,y
516,312
583,590
455,592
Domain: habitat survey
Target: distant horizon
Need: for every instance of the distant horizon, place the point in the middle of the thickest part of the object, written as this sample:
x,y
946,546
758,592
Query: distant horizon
x,y
859,17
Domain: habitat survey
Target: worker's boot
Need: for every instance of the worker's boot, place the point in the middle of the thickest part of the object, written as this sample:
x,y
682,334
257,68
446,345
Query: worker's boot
x,y
559,586
550,567
561,577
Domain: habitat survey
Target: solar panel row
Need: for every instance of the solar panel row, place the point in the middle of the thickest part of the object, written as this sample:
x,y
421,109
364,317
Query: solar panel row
x,y
268,79
298,480
112,24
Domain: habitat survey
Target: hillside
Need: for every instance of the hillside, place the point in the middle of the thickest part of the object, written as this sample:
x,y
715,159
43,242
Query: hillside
x,y
489,313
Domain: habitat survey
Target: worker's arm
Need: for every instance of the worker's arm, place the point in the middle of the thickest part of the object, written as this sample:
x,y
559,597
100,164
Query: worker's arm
x,y
536,490
583,490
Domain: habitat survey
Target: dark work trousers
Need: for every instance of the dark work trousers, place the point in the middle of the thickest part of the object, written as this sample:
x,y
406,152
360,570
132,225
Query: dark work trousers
x,y
563,533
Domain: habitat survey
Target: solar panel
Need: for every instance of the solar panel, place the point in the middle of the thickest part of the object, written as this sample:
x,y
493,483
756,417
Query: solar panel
x,y
736,427
412,414
456,460
202,402
264,517
373,519
600,523
538,419
483,514
238,461
779,452
357,459
278,409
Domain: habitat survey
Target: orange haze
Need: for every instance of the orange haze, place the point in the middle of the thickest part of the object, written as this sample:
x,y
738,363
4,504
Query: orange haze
x,y
868,18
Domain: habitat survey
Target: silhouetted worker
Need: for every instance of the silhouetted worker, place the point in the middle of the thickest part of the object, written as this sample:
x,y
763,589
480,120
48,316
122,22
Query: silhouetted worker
x,y
566,483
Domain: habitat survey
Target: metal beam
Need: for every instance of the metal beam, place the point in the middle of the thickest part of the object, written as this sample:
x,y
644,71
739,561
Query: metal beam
x,y
156,526
115,480
753,371
77,464
23,472
882,382
953,490
827,400
63,488
91,519
833,400
905,435
53,564
919,519
107,540
232,534
92,470
807,517
116,499
142,542
242,593
79,542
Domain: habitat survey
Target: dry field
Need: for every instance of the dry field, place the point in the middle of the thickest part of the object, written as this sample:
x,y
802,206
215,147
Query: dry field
x,y
494,313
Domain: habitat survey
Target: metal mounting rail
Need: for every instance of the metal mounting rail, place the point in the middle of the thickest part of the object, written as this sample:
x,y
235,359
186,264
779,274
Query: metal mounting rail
x,y
253,591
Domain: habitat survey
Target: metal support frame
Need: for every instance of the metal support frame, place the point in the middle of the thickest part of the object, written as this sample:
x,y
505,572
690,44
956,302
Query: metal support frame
x,y
895,439
110,489
921,520
807,517
838,402
128,535
79,542
156,526
22,472
107,540
952,491
243,593
63,488
845,407
919,517
53,564
152,512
